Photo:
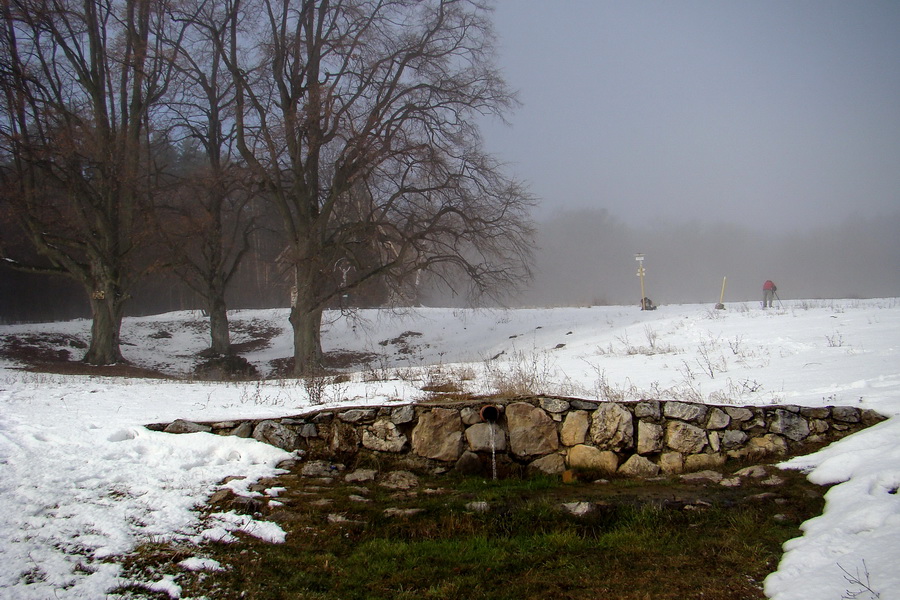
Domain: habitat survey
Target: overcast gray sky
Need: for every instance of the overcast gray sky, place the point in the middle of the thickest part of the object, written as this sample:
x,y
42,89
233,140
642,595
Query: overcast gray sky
x,y
781,114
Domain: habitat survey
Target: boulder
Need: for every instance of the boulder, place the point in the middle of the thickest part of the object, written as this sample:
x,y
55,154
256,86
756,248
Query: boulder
x,y
684,411
552,464
554,405
531,431
182,426
639,466
612,427
403,414
647,409
438,435
789,424
700,462
590,458
684,437
275,434
343,438
650,437
575,427
486,437
671,462
717,419
383,436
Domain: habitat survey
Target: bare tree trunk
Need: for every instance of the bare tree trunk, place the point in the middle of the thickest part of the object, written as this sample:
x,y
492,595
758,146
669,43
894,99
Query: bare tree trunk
x,y
107,316
306,321
218,326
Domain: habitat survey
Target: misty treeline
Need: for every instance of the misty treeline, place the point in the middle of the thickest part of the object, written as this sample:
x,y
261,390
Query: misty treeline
x,y
319,152
588,257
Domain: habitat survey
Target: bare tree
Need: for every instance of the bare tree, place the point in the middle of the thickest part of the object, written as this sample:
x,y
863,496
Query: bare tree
x,y
206,215
358,118
79,81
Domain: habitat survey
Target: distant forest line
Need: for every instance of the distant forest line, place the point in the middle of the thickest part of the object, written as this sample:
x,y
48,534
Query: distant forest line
x,y
583,257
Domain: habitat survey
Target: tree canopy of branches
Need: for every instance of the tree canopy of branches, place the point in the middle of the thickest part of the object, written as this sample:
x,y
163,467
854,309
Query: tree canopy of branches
x,y
355,120
79,81
359,119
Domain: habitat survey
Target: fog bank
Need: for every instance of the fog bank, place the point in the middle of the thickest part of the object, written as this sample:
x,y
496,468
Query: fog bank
x,y
587,257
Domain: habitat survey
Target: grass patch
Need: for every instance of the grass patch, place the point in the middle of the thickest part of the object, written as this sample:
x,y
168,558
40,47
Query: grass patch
x,y
659,540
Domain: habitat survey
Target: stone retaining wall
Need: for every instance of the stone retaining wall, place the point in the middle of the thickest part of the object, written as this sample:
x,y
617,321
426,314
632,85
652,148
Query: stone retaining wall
x,y
551,434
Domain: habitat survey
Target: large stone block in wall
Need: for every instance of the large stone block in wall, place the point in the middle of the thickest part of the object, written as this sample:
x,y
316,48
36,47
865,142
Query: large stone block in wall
x,y
684,411
383,436
650,437
343,438
552,464
275,434
685,438
590,458
789,424
438,435
639,466
612,427
531,431
486,437
575,428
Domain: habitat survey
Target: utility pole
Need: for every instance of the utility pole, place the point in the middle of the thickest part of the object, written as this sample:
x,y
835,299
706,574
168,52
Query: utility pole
x,y
640,272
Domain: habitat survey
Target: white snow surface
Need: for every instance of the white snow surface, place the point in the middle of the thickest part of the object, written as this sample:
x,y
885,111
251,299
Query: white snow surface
x,y
83,481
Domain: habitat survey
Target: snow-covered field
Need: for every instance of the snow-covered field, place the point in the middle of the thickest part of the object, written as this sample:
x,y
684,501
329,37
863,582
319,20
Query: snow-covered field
x,y
82,480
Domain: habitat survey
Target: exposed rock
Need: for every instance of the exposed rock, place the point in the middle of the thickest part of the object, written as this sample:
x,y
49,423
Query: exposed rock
x,y
480,439
575,427
402,512
650,437
321,468
403,414
815,412
531,431
182,426
789,424
552,464
357,415
590,458
438,435
470,415
344,438
671,462
639,466
400,480
847,414
468,464
699,462
275,434
308,430
732,438
684,437
590,405
244,430
578,509
612,427
703,477
738,413
383,436
361,475
717,419
554,405
647,409
755,472
684,411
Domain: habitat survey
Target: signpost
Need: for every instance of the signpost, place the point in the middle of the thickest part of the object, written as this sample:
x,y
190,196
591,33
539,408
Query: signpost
x,y
640,273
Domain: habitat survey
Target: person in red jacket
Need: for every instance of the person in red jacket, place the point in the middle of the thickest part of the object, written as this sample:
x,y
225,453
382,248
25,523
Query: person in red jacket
x,y
769,290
